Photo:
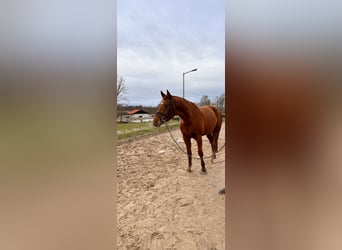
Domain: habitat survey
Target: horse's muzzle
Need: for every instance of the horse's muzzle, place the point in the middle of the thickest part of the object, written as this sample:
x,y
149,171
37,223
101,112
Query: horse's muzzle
x,y
158,123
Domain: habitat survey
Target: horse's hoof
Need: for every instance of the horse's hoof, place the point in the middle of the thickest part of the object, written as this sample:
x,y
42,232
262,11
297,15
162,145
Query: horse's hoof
x,y
189,170
203,172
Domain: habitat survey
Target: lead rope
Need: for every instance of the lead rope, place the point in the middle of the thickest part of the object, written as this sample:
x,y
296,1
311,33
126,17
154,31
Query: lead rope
x,y
182,150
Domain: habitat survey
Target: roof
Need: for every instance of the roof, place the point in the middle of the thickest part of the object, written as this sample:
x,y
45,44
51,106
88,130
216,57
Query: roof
x,y
137,111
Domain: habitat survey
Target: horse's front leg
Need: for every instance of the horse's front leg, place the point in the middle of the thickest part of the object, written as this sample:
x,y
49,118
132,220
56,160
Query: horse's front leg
x,y
200,153
187,141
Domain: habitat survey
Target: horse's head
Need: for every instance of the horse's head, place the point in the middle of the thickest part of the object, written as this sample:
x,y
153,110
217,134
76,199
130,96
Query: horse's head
x,y
165,111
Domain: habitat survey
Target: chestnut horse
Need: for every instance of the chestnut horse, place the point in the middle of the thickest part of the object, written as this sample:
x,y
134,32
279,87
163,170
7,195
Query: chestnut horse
x,y
195,123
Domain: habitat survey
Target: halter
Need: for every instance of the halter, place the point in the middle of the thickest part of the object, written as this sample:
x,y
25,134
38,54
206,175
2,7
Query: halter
x,y
164,115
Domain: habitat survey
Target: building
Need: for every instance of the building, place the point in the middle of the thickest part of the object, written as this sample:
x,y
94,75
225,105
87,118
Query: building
x,y
135,115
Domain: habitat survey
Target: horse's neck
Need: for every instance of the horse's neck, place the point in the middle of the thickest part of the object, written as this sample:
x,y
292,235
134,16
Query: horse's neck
x,y
185,109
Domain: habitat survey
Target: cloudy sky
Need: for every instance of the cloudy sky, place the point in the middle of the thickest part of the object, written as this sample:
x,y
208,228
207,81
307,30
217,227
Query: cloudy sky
x,y
159,40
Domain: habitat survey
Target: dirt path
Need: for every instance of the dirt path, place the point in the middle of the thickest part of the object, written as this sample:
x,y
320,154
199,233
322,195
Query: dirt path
x,y
162,206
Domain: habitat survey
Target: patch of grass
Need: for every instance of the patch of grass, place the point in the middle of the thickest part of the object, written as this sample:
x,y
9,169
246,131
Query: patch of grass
x,y
127,131
130,126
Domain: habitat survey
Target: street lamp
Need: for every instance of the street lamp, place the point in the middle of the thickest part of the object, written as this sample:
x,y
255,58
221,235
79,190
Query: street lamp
x,y
183,77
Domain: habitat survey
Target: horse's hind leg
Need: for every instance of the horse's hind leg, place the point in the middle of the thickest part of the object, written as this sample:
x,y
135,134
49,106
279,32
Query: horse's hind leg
x,y
200,153
187,141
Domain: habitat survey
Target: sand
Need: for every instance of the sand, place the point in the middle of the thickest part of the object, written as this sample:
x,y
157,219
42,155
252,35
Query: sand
x,y
162,206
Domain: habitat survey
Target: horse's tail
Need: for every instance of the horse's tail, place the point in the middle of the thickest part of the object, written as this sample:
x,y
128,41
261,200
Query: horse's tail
x,y
217,128
218,115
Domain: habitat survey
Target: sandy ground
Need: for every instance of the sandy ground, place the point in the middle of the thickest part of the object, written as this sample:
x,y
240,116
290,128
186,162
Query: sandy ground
x,y
162,206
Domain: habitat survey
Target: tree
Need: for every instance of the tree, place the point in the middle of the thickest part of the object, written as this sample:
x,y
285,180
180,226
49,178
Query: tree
x,y
204,100
121,90
220,102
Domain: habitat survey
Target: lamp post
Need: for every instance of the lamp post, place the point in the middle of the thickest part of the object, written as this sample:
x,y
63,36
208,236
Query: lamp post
x,y
183,77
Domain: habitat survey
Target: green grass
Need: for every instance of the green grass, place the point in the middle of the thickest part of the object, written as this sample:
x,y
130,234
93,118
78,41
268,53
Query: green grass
x,y
127,131
129,126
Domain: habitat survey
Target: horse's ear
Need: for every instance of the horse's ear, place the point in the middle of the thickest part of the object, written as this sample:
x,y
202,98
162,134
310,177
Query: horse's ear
x,y
162,94
168,94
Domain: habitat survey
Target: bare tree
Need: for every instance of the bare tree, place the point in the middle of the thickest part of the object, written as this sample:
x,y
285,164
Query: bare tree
x,y
220,102
204,100
121,90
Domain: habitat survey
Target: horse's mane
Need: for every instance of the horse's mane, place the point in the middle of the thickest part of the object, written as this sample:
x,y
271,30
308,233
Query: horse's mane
x,y
190,107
